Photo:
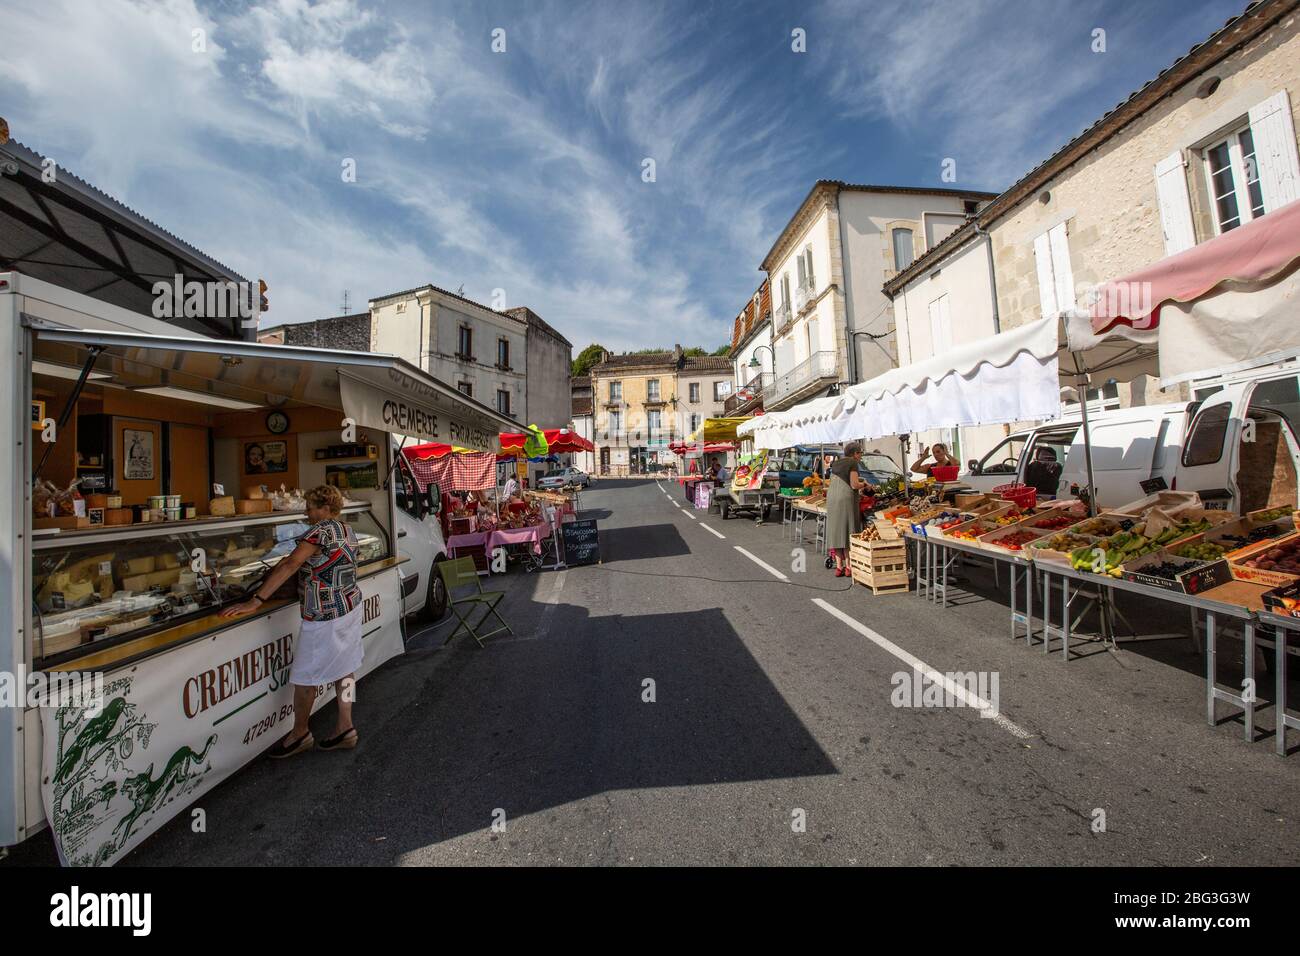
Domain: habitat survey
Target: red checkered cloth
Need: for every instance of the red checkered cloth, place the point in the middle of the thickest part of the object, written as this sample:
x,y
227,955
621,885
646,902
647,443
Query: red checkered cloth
x,y
475,472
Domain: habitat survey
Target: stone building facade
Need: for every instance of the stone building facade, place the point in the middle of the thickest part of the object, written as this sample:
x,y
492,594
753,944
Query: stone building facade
x,y
1206,145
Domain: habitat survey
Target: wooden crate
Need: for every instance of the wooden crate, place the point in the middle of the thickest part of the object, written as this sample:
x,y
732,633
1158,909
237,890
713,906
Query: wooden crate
x,y
879,565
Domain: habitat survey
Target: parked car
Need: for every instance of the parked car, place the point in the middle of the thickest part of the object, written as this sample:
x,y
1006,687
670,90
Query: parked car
x,y
564,478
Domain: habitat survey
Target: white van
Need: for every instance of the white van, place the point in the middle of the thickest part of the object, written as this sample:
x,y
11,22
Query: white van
x,y
1129,446
419,534
1236,446
1241,452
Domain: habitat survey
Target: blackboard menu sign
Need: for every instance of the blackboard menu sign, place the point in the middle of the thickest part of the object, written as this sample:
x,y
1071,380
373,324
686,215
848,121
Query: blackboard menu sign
x,y
1152,485
581,542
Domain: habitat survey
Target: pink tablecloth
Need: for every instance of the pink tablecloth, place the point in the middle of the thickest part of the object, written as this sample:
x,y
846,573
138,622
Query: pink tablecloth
x,y
477,539
504,536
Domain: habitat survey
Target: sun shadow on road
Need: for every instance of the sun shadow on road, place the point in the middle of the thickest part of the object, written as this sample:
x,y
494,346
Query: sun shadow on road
x,y
533,725
642,543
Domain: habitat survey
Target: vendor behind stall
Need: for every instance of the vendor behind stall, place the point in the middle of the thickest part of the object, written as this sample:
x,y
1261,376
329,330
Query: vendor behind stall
x,y
1044,472
941,457
329,646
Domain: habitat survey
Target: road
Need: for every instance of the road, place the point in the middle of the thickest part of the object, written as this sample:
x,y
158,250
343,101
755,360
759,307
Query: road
x,y
771,737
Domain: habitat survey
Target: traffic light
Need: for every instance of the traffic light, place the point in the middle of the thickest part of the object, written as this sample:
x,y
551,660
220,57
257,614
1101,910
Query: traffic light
x,y
262,304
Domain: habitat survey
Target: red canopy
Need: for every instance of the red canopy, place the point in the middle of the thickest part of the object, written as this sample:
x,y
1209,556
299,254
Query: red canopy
x,y
436,449
561,441
1258,251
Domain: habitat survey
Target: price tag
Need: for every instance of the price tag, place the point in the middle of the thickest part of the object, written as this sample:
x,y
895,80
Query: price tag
x,y
218,489
105,568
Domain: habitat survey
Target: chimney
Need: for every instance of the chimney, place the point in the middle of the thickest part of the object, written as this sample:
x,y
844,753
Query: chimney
x,y
677,355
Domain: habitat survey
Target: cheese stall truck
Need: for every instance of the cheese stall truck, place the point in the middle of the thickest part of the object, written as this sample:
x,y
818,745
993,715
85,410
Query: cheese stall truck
x,y
151,481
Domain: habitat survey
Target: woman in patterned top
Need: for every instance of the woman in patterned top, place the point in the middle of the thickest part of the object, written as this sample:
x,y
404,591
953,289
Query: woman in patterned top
x,y
329,648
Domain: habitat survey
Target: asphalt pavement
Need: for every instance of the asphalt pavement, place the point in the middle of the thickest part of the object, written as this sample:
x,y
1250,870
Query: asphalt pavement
x,y
711,694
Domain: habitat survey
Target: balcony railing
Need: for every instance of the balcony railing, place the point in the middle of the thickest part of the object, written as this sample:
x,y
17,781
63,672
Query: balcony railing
x,y
751,390
803,295
782,318
819,365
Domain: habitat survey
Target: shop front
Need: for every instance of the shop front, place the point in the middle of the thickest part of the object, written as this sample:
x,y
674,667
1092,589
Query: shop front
x,y
159,479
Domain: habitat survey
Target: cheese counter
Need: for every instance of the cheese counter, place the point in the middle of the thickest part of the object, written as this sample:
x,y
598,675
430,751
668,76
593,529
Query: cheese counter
x,y
93,589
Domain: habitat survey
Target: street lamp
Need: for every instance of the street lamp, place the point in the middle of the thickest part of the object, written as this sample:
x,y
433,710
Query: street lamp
x,y
755,363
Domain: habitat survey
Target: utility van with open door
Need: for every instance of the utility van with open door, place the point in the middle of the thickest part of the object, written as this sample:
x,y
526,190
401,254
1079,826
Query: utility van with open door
x,y
1241,452
1129,446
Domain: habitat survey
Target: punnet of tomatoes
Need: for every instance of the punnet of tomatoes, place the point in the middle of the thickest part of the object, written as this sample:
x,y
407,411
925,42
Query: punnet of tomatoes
x,y
1016,540
1055,524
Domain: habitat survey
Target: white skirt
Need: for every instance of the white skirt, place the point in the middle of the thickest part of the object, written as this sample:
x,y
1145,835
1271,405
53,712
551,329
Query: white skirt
x,y
328,650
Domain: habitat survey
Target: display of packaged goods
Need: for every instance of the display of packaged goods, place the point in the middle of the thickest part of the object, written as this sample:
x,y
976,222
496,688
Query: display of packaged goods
x,y
1284,599
1272,563
1244,534
1142,537
1103,525
1057,548
1171,573
1011,538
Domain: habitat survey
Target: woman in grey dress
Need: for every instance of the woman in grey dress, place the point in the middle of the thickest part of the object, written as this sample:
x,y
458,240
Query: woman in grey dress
x,y
843,517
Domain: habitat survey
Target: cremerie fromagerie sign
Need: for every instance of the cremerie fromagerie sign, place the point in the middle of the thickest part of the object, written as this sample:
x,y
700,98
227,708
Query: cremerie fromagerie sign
x,y
171,727
408,406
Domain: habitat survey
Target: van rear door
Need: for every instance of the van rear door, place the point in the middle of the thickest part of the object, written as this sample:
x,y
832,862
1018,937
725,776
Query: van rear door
x,y
1207,464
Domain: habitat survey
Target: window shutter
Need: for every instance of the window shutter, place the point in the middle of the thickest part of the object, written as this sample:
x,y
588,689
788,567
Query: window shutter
x,y
1175,204
812,283
1046,282
1275,150
1061,270
800,265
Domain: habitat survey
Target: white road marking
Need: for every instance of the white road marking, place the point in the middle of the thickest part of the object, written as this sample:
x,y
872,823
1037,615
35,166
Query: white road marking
x,y
761,563
973,701
676,505
689,515
711,531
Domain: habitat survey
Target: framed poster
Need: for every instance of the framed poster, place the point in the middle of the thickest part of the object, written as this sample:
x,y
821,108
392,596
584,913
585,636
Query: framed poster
x,y
137,455
266,457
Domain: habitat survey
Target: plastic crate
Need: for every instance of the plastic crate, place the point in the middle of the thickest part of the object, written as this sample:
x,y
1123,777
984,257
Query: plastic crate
x,y
1024,496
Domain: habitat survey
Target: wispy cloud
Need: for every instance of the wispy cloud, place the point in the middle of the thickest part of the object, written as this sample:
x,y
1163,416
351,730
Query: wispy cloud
x,y
522,170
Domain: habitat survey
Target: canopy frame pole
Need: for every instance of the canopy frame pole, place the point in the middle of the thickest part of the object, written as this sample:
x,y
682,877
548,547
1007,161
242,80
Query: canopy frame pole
x,y
1081,384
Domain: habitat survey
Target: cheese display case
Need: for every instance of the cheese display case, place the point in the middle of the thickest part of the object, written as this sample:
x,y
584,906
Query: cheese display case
x,y
98,587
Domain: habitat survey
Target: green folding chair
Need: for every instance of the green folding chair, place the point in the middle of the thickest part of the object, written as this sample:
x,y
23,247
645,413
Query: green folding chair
x,y
460,573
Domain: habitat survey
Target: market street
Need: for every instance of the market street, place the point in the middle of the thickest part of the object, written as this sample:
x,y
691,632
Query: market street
x,y
766,702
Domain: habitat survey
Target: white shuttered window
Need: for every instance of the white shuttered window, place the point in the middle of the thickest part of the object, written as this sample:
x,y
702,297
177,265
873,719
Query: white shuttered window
x,y
1273,133
1055,277
1175,203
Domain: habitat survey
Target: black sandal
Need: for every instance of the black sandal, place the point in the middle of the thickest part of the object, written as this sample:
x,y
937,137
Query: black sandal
x,y
282,750
344,741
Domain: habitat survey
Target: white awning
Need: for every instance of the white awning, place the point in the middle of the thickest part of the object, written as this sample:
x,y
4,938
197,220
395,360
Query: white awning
x,y
1009,377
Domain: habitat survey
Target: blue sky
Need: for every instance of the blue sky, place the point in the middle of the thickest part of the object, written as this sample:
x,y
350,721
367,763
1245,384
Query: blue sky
x,y
521,170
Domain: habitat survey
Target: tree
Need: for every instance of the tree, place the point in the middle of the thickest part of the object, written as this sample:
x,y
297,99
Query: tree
x,y
722,349
586,359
